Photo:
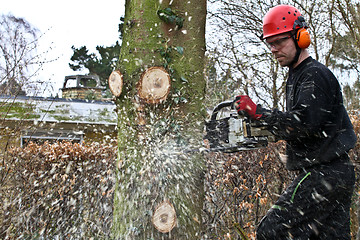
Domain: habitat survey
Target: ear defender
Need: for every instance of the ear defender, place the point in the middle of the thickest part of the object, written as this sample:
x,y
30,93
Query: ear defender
x,y
303,38
302,35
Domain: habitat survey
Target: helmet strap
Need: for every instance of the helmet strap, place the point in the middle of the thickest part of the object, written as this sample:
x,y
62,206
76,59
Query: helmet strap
x,y
300,22
298,51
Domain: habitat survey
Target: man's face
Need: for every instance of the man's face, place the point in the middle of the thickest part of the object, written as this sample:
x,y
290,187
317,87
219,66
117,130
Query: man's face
x,y
283,48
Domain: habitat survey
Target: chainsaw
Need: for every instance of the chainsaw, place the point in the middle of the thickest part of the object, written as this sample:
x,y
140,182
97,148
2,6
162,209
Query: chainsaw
x,y
227,131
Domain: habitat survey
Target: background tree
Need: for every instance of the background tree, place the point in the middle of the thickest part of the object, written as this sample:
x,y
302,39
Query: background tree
x,y
237,27
19,60
159,184
234,44
352,95
346,54
20,63
101,63
236,52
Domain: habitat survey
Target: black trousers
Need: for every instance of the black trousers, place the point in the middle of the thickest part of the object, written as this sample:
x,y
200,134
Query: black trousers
x,y
315,206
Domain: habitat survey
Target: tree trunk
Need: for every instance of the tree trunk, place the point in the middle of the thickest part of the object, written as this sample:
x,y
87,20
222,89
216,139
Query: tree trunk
x,y
159,190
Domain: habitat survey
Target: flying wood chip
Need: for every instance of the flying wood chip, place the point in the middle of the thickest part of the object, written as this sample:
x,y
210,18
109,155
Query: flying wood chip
x,y
116,83
154,85
164,217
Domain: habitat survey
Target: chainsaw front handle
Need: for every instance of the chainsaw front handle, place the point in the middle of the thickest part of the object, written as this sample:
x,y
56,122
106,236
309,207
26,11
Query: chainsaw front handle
x,y
219,107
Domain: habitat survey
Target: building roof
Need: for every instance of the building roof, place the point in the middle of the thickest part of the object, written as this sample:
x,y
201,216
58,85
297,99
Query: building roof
x,y
58,110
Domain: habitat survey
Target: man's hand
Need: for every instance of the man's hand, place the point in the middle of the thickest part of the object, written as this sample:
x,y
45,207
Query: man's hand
x,y
243,103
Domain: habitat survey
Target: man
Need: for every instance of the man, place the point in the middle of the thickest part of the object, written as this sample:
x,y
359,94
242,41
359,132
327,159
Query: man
x,y
318,136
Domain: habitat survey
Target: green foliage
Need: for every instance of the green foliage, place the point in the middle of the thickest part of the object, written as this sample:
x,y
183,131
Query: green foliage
x,y
18,110
101,64
352,95
346,54
167,50
168,16
121,27
220,86
346,42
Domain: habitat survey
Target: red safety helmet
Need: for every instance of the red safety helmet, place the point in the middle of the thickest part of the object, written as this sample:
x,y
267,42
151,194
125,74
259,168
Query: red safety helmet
x,y
286,18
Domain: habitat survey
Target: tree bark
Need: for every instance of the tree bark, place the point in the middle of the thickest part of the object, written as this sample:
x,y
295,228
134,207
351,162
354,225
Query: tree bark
x,y
159,190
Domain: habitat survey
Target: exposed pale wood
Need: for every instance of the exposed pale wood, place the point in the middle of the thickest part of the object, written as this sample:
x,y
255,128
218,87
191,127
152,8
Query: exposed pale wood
x,y
164,217
154,85
116,83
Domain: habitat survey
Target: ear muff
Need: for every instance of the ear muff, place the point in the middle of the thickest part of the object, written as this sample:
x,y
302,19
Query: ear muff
x,y
303,38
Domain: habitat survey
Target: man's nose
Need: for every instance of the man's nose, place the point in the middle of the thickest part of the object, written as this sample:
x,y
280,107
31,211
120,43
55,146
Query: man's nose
x,y
273,49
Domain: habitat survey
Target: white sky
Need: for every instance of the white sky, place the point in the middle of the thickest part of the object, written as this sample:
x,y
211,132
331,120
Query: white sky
x,y
67,23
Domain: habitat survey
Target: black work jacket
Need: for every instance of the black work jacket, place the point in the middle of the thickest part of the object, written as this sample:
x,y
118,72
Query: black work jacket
x,y
316,126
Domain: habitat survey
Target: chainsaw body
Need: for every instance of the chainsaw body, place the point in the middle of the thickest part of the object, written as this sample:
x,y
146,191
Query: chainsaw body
x,y
227,131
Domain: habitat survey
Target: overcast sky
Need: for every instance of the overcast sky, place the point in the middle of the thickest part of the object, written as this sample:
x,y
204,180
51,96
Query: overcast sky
x,y
67,23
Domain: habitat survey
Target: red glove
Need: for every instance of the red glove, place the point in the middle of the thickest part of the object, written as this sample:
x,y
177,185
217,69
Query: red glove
x,y
243,103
